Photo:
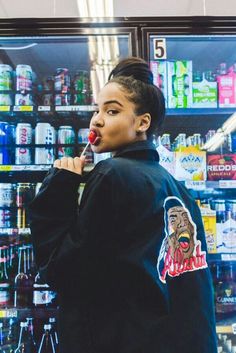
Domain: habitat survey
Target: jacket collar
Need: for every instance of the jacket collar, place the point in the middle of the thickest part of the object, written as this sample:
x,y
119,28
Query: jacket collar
x,y
139,150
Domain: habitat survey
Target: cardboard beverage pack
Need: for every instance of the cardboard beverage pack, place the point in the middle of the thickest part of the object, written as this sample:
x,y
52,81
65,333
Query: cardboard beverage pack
x,y
221,167
167,159
204,93
209,222
179,84
227,88
190,164
159,70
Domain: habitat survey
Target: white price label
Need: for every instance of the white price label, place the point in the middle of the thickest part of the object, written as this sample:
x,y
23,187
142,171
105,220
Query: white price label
x,y
228,257
227,184
195,185
44,108
159,48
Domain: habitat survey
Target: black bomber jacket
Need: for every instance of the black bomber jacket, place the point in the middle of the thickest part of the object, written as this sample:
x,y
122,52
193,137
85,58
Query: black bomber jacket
x,y
129,263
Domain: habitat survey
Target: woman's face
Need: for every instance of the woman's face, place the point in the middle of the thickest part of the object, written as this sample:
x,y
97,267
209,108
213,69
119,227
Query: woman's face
x,y
115,122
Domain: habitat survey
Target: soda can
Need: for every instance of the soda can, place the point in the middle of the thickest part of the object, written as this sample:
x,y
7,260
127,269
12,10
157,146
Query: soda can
x,y
24,138
24,79
5,77
81,85
62,80
62,99
44,135
7,141
23,99
66,136
83,135
24,194
47,99
48,84
5,99
7,195
5,218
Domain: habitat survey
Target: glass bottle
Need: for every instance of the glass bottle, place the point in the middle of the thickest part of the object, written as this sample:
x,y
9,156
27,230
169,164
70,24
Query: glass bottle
x,y
52,322
22,346
47,343
4,281
23,290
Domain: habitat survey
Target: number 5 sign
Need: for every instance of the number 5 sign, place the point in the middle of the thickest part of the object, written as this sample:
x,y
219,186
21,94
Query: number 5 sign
x,y
159,48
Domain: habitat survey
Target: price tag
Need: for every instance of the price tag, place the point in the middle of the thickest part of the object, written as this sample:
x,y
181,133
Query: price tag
x,y
195,185
159,48
5,168
8,313
228,257
227,184
23,108
44,108
4,108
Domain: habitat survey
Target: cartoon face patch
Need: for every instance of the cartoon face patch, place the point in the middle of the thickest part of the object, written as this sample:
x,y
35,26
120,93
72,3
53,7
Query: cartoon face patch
x,y
180,251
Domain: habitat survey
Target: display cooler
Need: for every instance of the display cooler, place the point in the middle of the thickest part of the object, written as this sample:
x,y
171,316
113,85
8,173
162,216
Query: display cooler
x,y
50,74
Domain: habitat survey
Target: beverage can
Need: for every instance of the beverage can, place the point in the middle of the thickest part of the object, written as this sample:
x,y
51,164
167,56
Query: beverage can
x,y
5,99
7,141
62,80
7,194
48,99
23,138
83,135
21,218
48,84
81,85
24,193
23,99
66,136
6,218
44,135
24,78
5,77
62,99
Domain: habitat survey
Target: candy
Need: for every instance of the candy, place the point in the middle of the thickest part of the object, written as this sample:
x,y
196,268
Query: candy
x,y
92,136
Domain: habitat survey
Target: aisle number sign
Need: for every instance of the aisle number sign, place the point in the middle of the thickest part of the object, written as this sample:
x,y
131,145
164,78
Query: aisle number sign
x,y
159,48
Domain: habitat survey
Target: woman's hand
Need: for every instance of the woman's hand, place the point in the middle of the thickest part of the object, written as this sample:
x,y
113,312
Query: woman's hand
x,y
75,165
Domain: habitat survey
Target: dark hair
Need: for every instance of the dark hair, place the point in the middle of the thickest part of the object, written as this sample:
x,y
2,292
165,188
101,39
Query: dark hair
x,y
135,76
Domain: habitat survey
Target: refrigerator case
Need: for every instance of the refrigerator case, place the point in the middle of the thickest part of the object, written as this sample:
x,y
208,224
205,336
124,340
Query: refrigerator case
x,y
50,74
193,62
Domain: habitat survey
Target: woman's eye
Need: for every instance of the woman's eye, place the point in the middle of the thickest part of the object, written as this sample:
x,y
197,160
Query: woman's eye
x,y
112,112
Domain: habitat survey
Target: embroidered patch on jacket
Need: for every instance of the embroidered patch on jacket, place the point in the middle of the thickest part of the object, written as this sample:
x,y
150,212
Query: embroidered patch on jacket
x,y
181,250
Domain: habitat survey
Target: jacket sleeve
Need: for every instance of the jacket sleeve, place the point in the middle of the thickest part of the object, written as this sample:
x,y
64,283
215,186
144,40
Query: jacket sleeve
x,y
191,319
61,231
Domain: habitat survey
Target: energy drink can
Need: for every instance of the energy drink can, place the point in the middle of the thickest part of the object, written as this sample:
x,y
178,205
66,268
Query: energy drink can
x,y
62,80
7,141
5,77
44,135
7,195
24,78
66,136
23,138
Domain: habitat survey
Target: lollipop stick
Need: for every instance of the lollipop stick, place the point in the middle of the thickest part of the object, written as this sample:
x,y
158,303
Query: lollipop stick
x,y
84,150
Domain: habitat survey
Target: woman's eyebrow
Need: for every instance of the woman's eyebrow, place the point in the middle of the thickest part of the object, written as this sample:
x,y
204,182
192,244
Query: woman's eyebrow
x,y
112,102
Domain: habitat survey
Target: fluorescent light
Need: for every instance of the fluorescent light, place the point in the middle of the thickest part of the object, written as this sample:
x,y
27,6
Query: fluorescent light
x,y
19,48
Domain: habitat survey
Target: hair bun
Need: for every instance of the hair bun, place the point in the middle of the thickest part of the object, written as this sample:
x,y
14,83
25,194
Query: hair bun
x,y
135,67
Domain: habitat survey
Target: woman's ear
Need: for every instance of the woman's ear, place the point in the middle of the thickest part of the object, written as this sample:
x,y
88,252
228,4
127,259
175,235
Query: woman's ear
x,y
144,122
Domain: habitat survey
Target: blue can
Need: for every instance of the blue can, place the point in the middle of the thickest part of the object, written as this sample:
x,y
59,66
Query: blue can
x,y
7,141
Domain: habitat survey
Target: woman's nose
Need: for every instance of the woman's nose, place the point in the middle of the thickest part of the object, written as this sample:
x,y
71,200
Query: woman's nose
x,y
97,120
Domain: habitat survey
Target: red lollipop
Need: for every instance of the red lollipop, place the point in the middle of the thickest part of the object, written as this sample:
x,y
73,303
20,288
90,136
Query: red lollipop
x,y
92,136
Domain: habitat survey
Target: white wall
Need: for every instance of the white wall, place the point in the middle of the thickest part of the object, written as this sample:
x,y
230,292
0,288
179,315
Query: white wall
x,y
129,8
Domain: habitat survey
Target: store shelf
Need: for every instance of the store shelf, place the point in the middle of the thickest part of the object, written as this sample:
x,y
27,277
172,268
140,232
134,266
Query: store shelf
x,y
47,108
200,111
34,168
222,257
204,185
23,313
14,231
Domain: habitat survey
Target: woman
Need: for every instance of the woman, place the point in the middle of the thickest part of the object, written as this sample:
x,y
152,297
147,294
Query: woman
x,y
129,263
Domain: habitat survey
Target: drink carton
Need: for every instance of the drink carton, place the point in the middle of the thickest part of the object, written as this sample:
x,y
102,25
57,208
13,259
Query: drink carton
x,y
167,159
209,222
227,87
221,167
179,84
204,94
190,164
159,70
